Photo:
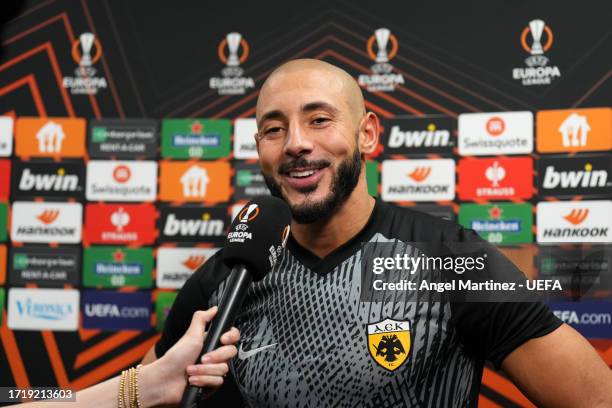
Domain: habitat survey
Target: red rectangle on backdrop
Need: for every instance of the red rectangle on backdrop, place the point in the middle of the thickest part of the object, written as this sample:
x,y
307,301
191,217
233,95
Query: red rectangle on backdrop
x,y
120,224
497,178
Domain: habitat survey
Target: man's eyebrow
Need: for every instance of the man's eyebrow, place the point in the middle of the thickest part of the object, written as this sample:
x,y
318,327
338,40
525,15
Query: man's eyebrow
x,y
312,106
274,114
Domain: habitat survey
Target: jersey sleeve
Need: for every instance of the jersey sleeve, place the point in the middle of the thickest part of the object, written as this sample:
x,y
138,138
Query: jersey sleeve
x,y
492,330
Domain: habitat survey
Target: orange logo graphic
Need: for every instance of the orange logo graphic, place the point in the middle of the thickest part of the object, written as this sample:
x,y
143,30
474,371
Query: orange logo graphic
x,y
420,173
48,216
574,130
121,173
249,213
49,137
232,42
194,262
82,50
382,37
495,126
537,28
194,181
577,216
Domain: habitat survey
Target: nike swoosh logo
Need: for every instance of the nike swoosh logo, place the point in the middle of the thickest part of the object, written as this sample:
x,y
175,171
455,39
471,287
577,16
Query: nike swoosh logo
x,y
244,354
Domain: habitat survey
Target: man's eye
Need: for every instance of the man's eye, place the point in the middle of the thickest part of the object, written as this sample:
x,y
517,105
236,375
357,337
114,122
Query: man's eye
x,y
320,121
272,130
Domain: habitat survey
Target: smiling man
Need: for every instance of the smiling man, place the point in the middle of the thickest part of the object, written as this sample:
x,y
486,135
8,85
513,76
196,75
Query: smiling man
x,y
308,337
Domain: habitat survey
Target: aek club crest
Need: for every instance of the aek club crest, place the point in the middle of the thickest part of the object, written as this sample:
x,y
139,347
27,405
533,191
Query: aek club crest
x,y
389,343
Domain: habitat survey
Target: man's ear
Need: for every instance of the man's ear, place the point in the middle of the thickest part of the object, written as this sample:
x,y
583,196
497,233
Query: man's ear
x,y
369,133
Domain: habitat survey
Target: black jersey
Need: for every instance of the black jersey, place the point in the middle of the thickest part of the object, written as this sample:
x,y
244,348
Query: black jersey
x,y
306,336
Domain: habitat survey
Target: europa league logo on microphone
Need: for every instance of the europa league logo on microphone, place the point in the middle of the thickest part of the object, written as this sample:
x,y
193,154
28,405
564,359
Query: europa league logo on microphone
x,y
232,51
382,47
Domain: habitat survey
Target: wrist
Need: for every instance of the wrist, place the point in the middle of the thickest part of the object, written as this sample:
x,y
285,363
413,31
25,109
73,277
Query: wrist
x,y
150,384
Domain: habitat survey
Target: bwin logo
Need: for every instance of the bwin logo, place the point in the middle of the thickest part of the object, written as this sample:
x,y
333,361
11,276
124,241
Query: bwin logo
x,y
48,182
572,179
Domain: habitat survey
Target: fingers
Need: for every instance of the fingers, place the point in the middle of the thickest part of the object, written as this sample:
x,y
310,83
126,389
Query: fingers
x,y
219,369
231,336
220,355
201,318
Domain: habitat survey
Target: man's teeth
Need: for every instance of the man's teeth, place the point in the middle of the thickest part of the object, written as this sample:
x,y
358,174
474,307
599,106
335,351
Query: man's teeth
x,y
305,173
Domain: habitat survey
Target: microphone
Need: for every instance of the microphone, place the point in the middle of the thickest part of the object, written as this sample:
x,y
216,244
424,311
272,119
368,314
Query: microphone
x,y
257,236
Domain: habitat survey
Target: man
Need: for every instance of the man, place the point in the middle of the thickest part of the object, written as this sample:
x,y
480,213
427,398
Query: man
x,y
304,329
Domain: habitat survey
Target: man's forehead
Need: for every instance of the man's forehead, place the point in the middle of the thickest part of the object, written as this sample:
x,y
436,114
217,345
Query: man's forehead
x,y
296,89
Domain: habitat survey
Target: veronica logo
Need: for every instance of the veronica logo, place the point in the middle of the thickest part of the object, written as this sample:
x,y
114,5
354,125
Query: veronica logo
x,y
418,180
43,309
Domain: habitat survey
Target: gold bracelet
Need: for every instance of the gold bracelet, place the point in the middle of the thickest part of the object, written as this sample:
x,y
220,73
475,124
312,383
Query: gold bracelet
x,y
131,401
121,388
138,402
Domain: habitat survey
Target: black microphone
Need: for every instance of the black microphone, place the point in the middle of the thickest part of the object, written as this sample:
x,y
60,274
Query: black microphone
x,y
257,236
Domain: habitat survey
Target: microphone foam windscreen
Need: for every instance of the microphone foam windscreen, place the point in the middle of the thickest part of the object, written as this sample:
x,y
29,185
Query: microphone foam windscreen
x,y
257,235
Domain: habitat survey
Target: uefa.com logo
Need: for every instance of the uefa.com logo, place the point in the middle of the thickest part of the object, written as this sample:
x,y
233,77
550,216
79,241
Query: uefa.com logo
x,y
233,51
86,52
537,71
382,78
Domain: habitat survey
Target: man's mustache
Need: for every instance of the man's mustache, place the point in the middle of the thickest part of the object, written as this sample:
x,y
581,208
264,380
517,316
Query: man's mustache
x,y
301,163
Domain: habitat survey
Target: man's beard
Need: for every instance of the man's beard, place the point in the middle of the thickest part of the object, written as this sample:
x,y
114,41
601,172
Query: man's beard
x,y
343,184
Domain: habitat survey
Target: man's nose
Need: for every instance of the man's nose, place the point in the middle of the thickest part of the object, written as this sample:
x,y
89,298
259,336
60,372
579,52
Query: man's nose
x,y
297,142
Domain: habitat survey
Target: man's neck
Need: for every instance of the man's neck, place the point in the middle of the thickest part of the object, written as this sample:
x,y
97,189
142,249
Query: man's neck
x,y
323,237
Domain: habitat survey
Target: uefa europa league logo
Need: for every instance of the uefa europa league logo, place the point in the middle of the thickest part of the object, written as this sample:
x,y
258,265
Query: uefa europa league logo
x,y
382,38
537,28
233,41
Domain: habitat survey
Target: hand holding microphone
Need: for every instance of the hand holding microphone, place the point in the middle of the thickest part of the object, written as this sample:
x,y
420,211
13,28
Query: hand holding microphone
x,y
257,234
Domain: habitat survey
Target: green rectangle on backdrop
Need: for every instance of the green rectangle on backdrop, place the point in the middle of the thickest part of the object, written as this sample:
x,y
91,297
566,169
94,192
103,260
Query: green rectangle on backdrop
x,y
500,223
111,267
195,138
1,304
3,221
372,177
162,307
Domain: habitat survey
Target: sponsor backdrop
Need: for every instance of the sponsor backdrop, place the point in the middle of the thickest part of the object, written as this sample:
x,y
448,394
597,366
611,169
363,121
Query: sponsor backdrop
x,y
126,144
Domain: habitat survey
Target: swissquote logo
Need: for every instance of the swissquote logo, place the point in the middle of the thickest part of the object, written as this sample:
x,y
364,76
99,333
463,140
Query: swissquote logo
x,y
580,175
43,309
495,179
120,223
176,265
536,39
574,130
34,222
86,52
121,180
575,221
382,78
193,224
50,137
431,134
31,179
495,133
233,51
389,343
244,138
418,180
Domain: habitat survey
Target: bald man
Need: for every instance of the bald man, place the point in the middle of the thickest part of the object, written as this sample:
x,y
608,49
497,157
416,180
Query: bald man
x,y
312,336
